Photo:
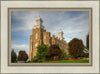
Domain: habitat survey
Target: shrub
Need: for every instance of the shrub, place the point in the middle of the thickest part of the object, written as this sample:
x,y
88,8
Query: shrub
x,y
86,55
35,59
69,56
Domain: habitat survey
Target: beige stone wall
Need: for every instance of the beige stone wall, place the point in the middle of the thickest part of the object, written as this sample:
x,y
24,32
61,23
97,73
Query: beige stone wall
x,y
34,53
46,38
53,40
62,44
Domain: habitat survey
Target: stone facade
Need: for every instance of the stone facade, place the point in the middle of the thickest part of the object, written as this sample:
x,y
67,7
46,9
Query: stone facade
x,y
40,35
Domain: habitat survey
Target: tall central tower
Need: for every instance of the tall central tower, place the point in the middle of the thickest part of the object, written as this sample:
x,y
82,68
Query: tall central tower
x,y
37,37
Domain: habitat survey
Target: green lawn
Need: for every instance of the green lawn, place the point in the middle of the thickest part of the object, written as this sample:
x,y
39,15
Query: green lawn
x,y
67,61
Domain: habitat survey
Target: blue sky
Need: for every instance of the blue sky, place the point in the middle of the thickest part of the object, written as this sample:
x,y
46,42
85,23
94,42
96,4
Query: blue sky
x,y
74,24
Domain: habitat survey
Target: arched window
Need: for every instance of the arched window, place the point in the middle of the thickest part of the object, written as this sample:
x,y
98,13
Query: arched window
x,y
36,36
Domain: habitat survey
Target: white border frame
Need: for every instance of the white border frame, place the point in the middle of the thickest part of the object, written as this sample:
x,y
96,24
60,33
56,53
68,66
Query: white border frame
x,y
50,9
40,69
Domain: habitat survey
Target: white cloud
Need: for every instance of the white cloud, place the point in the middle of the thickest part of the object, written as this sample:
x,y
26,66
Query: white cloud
x,y
19,46
28,21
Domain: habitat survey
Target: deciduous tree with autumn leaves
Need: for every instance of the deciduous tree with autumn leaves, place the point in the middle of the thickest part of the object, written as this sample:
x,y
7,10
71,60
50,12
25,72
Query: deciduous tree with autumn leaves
x,y
23,56
54,51
76,47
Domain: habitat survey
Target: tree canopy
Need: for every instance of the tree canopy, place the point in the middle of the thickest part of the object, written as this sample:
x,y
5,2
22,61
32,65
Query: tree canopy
x,y
41,53
42,50
53,51
76,47
64,53
23,56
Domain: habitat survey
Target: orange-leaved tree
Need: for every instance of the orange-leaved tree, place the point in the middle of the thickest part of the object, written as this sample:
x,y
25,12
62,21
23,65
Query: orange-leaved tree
x,y
23,56
53,51
76,47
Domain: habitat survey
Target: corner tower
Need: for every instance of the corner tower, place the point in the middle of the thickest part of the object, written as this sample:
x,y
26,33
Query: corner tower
x,y
36,38
60,34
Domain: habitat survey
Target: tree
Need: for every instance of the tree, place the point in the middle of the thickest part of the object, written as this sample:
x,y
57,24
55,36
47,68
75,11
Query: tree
x,y
87,41
23,56
41,53
76,47
13,56
42,50
86,52
64,52
54,51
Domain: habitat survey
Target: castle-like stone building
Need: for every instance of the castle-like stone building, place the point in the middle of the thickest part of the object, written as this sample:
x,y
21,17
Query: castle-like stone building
x,y
40,35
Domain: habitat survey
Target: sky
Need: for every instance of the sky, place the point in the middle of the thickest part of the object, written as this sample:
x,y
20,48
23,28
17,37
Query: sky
x,y
74,24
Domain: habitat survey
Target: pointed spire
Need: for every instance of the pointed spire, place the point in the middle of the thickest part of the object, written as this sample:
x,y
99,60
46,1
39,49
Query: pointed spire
x,y
39,17
60,31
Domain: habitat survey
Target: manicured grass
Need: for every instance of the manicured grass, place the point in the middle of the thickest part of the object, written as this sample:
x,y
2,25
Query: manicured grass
x,y
67,61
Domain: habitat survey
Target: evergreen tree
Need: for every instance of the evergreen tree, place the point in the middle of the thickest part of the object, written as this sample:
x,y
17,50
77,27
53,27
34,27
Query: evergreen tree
x,y
42,50
41,53
87,41
13,56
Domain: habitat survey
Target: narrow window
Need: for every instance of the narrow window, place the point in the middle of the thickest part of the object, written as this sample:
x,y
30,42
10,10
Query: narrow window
x,y
36,36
